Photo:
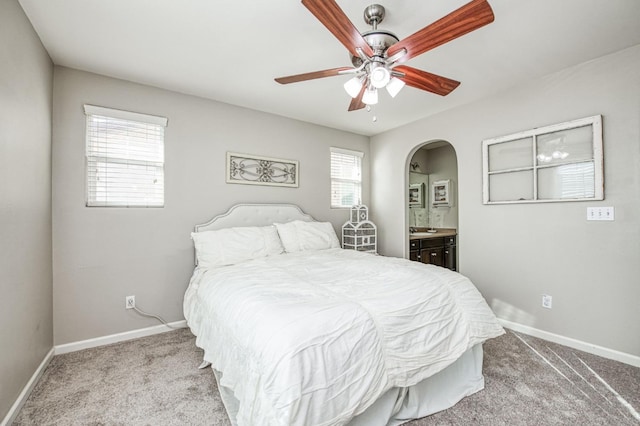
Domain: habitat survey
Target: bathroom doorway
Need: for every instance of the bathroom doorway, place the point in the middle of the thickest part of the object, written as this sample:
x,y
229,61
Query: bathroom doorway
x,y
432,210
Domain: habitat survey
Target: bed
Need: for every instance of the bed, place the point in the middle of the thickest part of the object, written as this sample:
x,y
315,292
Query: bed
x,y
301,332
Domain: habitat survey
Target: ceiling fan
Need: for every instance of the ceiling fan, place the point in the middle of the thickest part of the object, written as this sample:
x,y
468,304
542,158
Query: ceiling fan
x,y
376,55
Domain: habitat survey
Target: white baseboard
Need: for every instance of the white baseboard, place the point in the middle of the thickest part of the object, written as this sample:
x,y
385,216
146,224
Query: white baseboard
x,y
573,343
26,391
115,338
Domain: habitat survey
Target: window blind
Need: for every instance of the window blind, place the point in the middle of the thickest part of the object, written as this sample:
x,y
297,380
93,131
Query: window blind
x,y
124,158
346,177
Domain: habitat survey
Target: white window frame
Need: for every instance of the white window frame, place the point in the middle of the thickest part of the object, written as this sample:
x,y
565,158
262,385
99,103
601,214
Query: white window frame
x,y
595,122
357,197
93,155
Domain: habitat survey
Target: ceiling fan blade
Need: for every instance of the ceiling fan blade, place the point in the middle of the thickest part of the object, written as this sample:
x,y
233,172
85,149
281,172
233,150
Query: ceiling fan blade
x,y
334,19
469,17
311,75
426,81
356,103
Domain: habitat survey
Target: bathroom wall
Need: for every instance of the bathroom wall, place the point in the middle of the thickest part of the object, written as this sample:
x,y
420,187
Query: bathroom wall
x,y
442,164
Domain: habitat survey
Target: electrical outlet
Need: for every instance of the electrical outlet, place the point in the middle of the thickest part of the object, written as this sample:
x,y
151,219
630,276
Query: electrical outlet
x,y
130,302
546,301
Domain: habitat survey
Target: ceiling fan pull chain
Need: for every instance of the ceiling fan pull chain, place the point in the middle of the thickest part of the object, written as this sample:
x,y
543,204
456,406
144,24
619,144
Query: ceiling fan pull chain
x,y
370,108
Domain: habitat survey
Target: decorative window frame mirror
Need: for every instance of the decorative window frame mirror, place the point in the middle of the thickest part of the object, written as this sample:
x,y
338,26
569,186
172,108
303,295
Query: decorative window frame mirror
x,y
441,193
562,162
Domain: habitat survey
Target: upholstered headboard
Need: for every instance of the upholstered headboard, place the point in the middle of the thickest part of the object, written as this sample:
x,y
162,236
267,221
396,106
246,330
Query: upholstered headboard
x,y
255,215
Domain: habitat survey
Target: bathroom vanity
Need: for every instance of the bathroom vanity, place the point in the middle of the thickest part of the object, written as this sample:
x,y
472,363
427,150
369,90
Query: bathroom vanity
x,y
437,248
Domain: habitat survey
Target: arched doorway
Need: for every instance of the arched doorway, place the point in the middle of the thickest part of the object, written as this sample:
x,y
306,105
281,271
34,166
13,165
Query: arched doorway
x,y
432,163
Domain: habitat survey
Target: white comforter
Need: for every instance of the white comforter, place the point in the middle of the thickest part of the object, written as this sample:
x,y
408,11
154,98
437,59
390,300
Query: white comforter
x,y
314,338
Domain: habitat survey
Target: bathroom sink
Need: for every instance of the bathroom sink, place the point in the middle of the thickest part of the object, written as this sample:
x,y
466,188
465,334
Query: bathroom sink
x,y
422,234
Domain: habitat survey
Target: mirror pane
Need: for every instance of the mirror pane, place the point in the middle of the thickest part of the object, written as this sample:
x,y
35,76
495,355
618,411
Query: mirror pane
x,y
511,186
566,181
510,155
564,146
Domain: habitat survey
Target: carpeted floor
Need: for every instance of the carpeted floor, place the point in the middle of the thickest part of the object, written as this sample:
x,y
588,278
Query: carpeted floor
x,y
155,381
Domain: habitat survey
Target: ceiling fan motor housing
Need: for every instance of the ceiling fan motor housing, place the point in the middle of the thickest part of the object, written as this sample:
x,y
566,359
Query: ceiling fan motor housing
x,y
379,40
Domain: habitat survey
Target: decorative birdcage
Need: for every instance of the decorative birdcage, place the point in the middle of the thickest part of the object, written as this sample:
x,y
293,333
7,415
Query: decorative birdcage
x,y
359,233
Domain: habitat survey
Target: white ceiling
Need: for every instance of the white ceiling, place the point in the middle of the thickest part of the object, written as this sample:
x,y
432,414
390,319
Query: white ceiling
x,y
230,50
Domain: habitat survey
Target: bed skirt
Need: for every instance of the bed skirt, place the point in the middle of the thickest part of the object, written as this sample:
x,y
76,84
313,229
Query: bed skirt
x,y
399,405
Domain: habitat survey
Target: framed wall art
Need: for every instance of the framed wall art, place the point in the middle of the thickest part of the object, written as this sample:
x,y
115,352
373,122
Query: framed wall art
x,y
416,195
257,170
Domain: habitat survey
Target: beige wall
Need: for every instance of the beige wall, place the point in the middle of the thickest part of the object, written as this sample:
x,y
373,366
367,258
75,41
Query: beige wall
x,y
26,75
102,255
515,253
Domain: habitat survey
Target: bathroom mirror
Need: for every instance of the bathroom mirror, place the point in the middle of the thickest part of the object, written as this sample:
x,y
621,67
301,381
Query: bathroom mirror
x,y
418,199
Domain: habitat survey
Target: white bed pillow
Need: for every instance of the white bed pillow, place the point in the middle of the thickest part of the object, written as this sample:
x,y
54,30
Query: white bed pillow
x,y
300,236
234,245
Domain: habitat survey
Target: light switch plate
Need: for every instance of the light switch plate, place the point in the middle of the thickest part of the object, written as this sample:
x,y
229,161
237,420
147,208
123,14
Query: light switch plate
x,y
600,213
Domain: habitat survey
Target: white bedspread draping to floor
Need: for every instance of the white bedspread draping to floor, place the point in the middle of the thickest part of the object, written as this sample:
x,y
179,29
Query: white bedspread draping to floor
x,y
316,337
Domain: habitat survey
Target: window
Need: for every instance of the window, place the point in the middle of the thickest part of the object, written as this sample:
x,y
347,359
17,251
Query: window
x,y
562,162
346,177
124,158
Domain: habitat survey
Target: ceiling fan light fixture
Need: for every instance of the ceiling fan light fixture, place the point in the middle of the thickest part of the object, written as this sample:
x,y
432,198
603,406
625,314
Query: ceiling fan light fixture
x,y
370,96
353,86
379,76
394,86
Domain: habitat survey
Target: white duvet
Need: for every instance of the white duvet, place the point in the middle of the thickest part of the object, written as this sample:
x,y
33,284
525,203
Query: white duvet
x,y
315,337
